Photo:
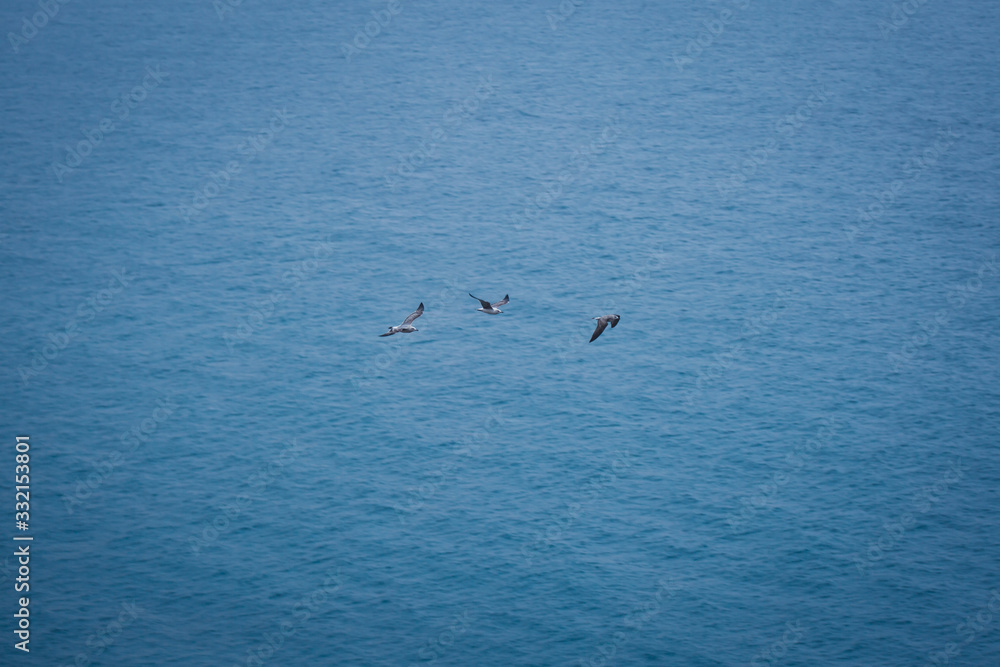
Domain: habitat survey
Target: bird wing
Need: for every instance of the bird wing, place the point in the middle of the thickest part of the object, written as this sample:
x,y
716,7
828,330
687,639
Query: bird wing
x,y
486,304
415,314
614,320
505,301
602,324
389,333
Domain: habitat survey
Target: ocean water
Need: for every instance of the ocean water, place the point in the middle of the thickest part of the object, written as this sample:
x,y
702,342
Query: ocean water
x,y
786,453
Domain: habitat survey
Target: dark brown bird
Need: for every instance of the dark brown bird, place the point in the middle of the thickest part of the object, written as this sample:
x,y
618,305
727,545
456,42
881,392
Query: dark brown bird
x,y
602,324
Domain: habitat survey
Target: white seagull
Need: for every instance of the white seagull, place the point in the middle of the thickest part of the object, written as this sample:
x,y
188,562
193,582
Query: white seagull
x,y
406,327
602,324
492,308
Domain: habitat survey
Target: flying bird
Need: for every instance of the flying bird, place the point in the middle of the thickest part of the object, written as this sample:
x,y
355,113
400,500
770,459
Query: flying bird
x,y
602,324
492,308
406,327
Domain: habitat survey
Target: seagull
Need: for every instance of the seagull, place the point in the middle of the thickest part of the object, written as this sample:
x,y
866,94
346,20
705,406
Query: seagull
x,y
406,327
602,324
492,308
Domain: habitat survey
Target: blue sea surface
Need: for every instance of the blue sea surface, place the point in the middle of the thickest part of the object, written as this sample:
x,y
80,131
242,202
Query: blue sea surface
x,y
786,452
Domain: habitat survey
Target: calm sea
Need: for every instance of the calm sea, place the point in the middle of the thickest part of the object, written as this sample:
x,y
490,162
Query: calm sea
x,y
786,453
